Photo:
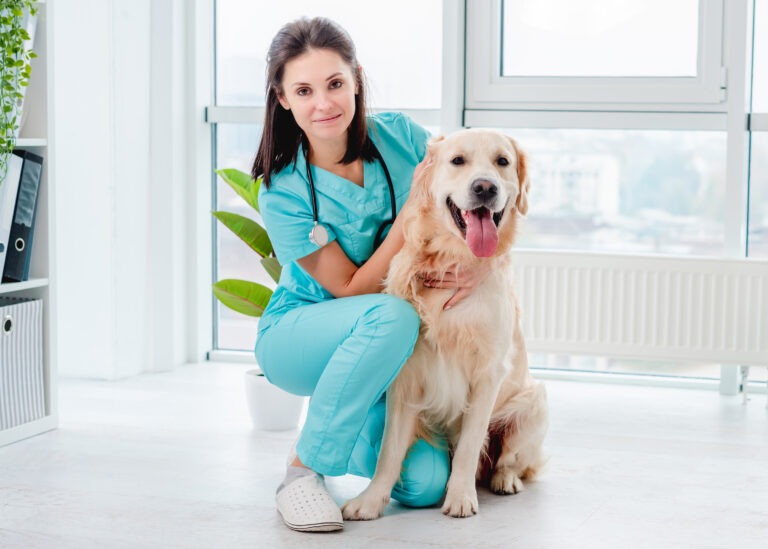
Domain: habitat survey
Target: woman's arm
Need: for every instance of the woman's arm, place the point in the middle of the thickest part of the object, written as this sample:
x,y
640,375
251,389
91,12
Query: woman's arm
x,y
335,272
331,267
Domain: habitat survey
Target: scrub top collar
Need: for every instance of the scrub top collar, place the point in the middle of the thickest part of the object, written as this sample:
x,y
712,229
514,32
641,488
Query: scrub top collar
x,y
373,178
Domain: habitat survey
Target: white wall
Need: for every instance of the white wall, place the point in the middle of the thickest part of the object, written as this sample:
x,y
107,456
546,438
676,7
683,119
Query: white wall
x,y
119,123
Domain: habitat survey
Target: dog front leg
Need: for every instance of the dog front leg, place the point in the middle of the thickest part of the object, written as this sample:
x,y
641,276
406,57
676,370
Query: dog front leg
x,y
461,493
399,433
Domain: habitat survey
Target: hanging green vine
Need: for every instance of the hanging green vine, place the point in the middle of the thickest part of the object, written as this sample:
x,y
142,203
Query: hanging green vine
x,y
15,69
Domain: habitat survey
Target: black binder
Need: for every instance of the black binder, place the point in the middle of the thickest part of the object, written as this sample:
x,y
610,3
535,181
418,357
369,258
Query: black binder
x,y
23,226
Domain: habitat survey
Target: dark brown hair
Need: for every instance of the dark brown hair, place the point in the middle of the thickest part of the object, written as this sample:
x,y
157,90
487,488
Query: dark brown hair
x,y
281,136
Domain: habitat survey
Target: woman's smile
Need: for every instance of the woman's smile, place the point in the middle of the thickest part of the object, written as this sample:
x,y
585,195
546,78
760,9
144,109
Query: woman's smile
x,y
328,119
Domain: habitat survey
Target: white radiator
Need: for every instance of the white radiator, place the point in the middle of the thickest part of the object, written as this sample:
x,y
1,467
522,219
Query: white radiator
x,y
714,310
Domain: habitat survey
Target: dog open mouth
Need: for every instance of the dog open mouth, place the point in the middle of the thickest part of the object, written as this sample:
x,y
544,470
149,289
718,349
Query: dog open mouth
x,y
478,227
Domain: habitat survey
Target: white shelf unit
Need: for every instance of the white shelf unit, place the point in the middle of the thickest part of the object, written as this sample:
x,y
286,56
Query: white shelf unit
x,y
34,137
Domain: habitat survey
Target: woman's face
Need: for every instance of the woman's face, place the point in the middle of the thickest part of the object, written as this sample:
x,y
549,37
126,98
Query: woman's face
x,y
319,89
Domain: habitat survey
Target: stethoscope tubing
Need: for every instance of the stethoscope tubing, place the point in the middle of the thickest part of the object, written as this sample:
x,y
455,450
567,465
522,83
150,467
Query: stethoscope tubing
x,y
393,205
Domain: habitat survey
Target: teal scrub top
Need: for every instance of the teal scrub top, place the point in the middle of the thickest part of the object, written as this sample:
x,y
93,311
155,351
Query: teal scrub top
x,y
351,214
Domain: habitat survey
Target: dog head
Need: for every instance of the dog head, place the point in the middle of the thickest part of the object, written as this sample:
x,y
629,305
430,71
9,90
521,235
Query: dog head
x,y
475,183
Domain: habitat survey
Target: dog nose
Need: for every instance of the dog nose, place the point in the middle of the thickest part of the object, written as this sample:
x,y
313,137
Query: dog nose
x,y
484,190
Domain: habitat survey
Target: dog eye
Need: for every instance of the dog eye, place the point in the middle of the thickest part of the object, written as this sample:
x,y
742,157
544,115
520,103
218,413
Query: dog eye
x,y
501,161
457,160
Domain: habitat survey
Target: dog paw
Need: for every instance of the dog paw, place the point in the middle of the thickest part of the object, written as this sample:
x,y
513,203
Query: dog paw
x,y
506,482
364,507
460,504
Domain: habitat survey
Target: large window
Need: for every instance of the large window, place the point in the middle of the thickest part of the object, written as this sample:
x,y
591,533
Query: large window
x,y
760,64
616,55
400,54
758,191
625,191
235,147
633,115
600,39
758,199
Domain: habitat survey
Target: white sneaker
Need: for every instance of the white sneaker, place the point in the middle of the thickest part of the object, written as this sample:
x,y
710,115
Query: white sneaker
x,y
306,506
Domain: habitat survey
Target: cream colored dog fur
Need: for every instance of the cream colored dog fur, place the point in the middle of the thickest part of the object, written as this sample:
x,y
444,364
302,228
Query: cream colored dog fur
x,y
468,376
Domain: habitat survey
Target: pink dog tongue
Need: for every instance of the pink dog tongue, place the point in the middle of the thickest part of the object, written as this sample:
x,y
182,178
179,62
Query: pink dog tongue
x,y
482,238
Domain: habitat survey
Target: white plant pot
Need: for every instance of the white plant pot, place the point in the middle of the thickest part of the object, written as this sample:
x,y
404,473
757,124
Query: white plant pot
x,y
271,408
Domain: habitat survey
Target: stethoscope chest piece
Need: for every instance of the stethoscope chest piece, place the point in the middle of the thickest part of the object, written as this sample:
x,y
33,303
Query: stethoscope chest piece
x,y
318,235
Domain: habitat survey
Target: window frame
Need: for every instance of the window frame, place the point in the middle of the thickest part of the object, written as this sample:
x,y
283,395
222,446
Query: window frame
x,y
459,108
487,89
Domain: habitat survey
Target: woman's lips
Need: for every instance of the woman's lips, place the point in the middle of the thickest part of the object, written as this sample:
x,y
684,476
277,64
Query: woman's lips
x,y
328,119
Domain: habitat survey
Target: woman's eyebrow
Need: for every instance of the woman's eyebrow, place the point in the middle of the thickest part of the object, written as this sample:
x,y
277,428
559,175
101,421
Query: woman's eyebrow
x,y
334,75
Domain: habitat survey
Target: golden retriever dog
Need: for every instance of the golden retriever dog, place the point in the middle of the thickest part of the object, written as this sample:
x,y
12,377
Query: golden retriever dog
x,y
468,377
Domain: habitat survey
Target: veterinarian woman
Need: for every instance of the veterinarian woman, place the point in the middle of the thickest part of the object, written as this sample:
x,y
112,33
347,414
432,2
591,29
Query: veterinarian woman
x,y
333,182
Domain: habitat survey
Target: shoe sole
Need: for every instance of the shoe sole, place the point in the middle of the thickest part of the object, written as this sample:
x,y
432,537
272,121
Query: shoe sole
x,y
306,500
317,527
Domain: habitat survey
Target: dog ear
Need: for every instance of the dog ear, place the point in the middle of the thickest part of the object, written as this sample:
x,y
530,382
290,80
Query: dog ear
x,y
433,141
522,178
423,174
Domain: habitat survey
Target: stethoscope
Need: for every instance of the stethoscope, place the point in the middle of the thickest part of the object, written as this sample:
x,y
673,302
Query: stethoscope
x,y
319,234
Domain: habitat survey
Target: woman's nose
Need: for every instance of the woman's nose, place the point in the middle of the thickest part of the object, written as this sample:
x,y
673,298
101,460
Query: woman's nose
x,y
322,100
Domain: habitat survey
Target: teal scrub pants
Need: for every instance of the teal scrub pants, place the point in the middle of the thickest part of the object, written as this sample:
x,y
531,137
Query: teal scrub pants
x,y
344,353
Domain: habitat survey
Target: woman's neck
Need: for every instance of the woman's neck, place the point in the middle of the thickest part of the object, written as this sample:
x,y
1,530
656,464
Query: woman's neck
x,y
327,154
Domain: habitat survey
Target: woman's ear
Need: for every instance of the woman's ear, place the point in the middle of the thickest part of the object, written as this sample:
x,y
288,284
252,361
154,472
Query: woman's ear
x,y
522,178
282,100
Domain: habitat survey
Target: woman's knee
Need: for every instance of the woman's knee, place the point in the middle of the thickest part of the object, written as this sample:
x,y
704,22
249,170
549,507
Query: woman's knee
x,y
395,317
261,353
425,475
279,369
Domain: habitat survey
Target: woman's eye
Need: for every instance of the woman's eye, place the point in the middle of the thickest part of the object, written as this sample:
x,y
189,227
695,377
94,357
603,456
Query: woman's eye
x,y
336,84
457,160
501,161
302,91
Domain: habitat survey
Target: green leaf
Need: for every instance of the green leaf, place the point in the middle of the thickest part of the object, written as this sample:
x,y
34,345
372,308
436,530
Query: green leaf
x,y
248,231
248,298
273,267
243,184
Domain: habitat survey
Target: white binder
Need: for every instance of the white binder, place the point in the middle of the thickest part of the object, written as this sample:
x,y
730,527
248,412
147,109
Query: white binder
x,y
22,388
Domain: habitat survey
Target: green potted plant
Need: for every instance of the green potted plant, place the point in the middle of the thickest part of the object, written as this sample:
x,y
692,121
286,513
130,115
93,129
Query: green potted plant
x,y
17,19
248,298
271,408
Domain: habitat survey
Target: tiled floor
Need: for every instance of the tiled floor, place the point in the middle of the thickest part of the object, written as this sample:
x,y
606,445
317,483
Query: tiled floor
x,y
170,460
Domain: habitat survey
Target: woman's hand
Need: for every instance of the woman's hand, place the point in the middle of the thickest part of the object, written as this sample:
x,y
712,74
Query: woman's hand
x,y
464,280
